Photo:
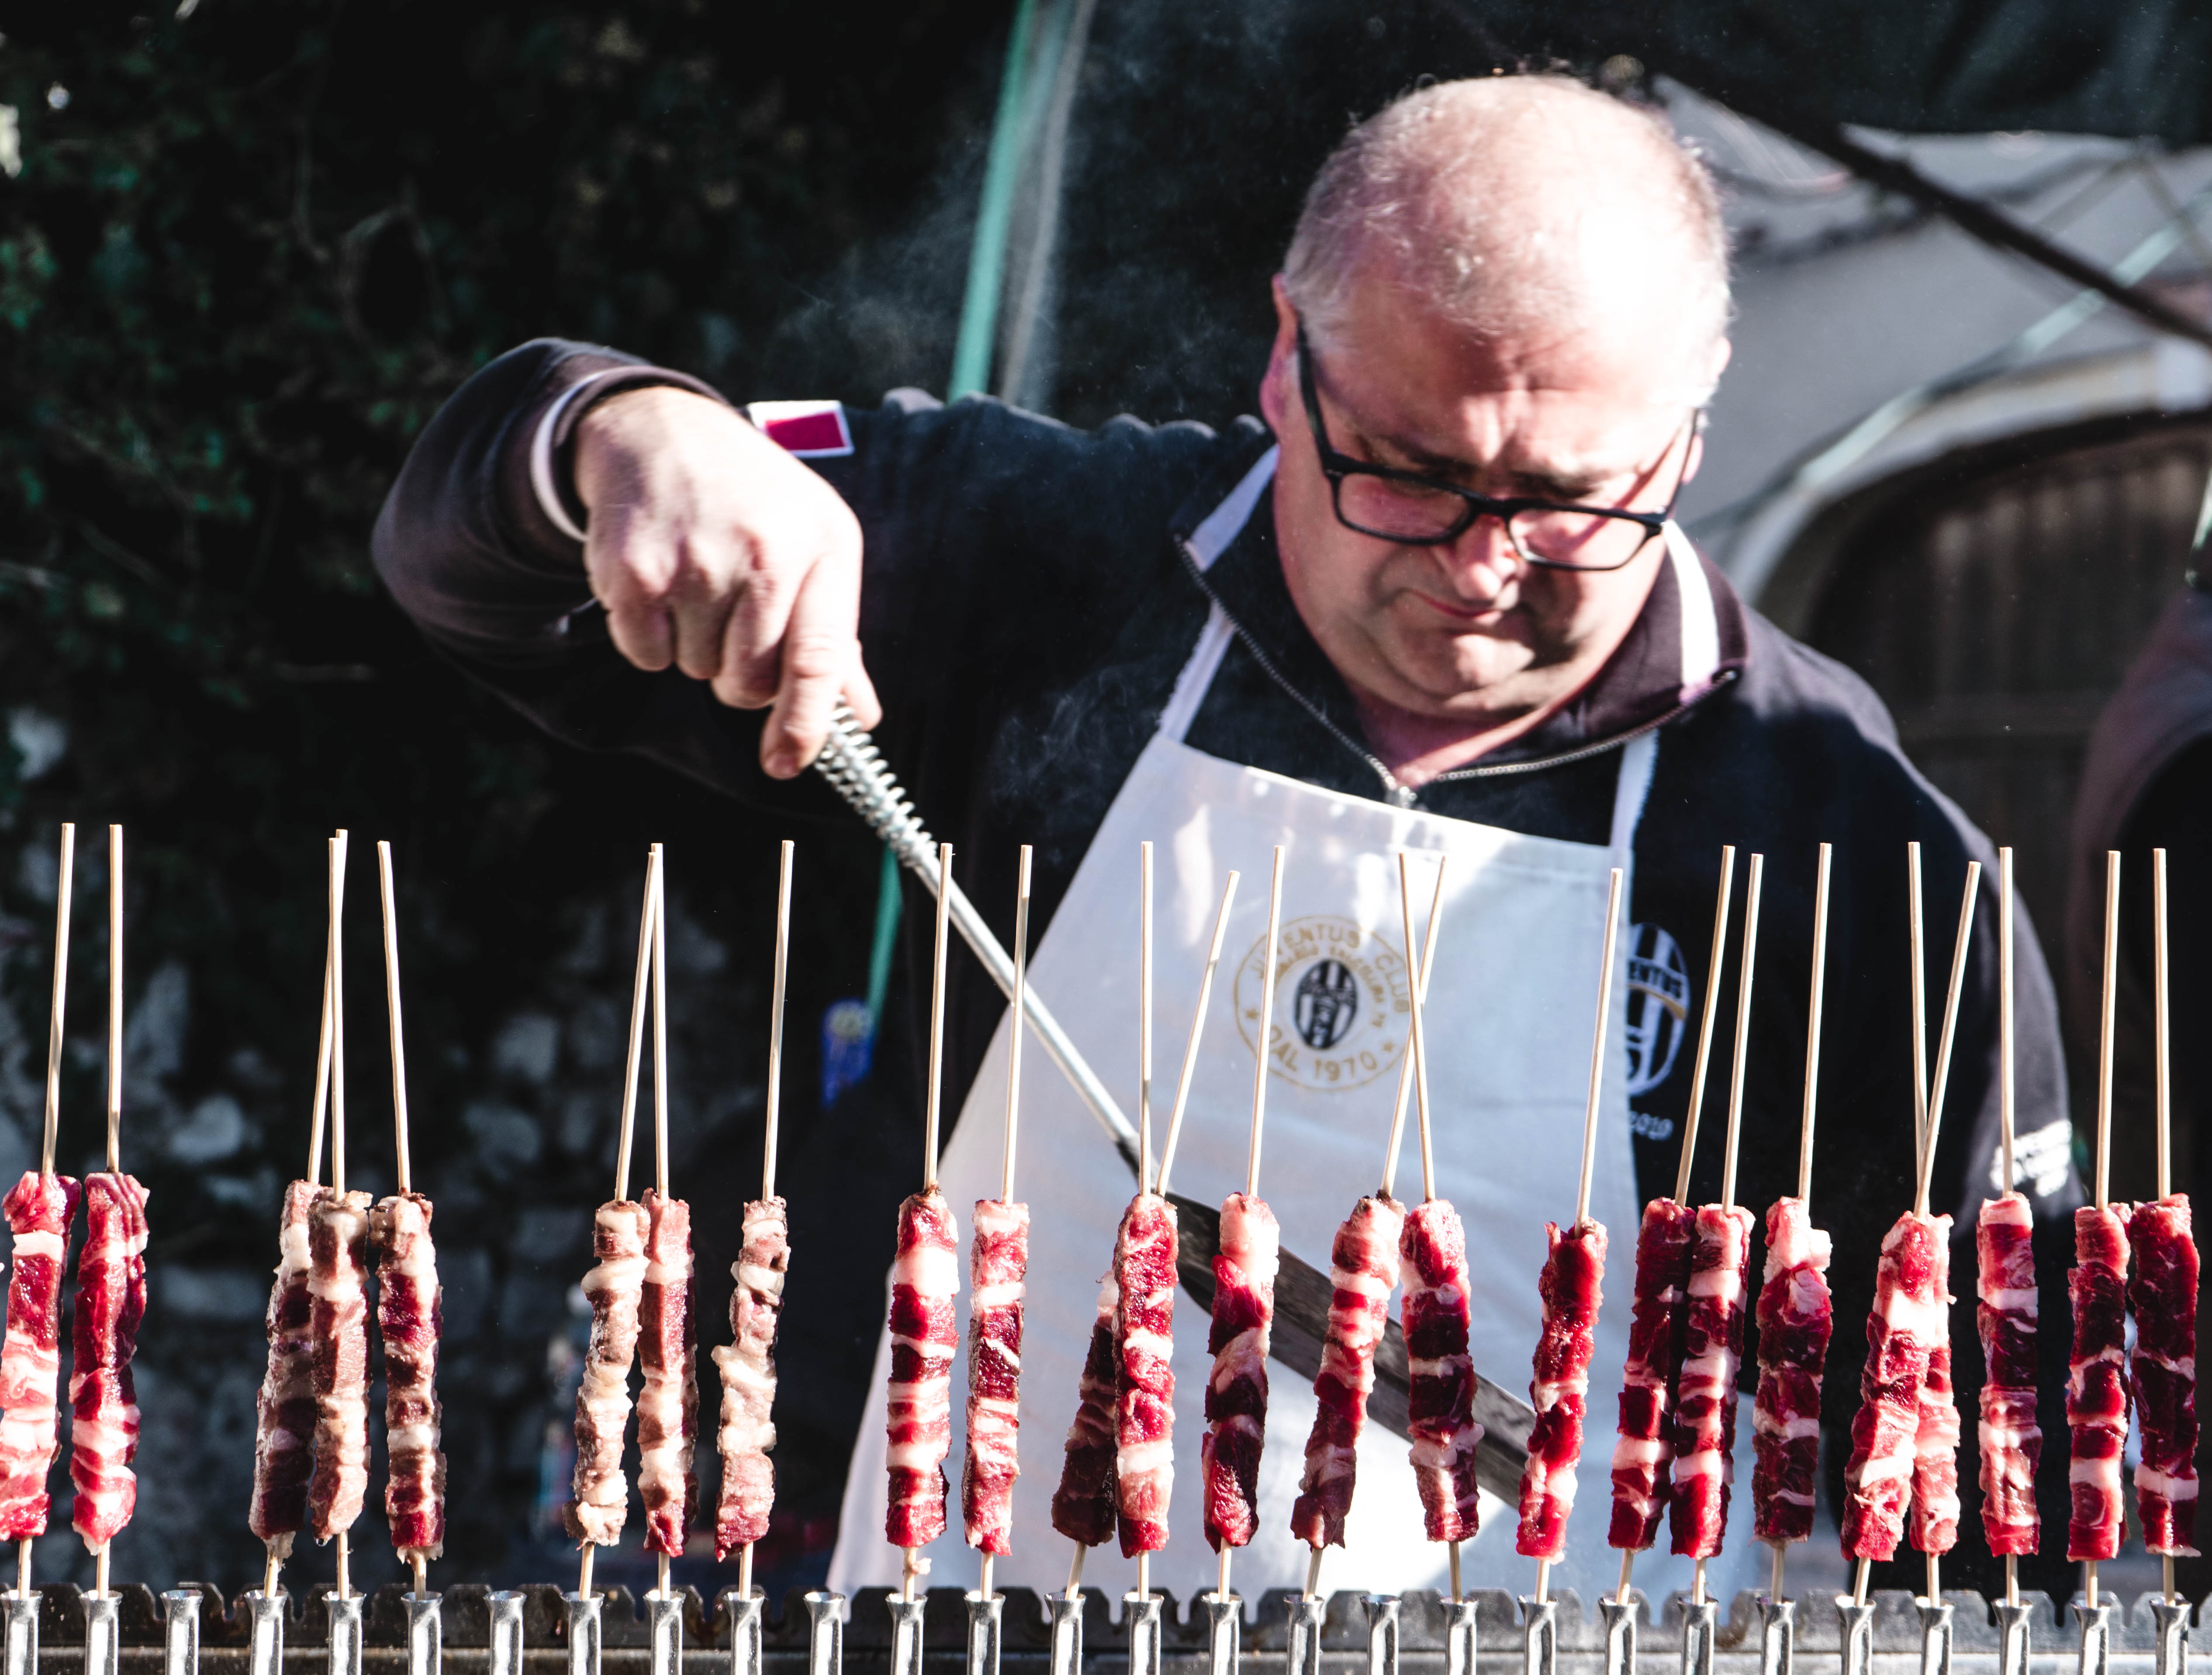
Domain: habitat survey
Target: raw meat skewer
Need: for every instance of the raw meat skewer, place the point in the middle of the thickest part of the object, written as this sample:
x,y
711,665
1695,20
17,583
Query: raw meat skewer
x,y
615,1287
1712,1350
1573,1273
1796,1316
2163,1371
39,1208
1889,1464
1437,1310
668,1404
1247,1250
998,1269
924,1278
110,1298
409,1316
2096,1381
338,1325
283,1454
747,1363
2011,1440
1644,1448
1364,1261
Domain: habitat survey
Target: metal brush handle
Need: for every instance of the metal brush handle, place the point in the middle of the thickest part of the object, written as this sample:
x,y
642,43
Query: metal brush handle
x,y
851,762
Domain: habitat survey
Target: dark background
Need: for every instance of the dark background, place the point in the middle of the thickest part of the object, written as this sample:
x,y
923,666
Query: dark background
x,y
248,251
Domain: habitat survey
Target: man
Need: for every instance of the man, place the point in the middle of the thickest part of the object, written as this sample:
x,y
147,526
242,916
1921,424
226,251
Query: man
x,y
1435,603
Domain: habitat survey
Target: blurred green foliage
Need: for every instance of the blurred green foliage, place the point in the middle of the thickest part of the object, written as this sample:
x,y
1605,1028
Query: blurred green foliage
x,y
246,248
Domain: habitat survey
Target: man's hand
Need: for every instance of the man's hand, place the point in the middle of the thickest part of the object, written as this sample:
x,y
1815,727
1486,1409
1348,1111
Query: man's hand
x,y
712,548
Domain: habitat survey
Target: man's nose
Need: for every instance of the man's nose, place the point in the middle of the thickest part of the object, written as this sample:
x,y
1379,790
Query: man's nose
x,y
1482,559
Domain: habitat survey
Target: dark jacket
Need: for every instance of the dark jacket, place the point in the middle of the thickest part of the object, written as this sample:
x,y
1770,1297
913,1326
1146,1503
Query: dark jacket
x,y
1027,605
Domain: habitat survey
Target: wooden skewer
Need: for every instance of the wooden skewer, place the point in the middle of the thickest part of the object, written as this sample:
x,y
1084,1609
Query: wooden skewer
x,y
2164,1086
2012,1579
1705,1025
983,1586
1697,1582
2104,1029
1950,1035
1451,1550
1263,1051
775,1035
1016,1027
584,1572
337,1020
1420,968
1597,1051
2092,1578
936,1021
1075,1572
2163,1083
1221,1576
65,882
1313,1573
745,1571
1197,1025
100,1562
1543,1581
1627,1572
1419,1054
391,1005
269,1575
345,1564
1774,1579
1917,941
661,1586
327,1044
1144,1025
1859,1582
114,1014
1935,1579
420,1564
1812,1059
23,1568
1144,1576
2004,1035
638,992
1743,981
660,1032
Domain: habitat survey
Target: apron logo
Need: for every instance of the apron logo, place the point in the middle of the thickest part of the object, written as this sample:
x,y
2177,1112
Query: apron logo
x,y
1658,1006
1343,1008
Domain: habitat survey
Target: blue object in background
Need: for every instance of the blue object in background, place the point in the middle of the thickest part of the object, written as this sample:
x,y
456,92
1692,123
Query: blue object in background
x,y
848,1027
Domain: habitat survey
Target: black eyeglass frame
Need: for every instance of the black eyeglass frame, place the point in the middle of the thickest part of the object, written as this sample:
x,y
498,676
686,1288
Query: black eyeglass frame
x,y
1336,467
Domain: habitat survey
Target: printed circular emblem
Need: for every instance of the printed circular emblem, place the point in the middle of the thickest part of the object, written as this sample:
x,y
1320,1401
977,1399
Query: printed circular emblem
x,y
1342,1005
1658,1006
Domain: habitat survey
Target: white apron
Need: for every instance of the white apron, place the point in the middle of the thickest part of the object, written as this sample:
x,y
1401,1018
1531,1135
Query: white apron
x,y
1510,1011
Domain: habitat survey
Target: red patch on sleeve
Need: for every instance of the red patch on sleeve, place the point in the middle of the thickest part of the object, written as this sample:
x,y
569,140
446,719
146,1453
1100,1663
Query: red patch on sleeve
x,y
807,429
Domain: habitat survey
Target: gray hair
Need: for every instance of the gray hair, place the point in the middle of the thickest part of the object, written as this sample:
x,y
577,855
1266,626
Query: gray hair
x,y
1445,191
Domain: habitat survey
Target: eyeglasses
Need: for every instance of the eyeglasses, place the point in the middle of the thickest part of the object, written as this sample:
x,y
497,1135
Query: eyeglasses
x,y
1416,509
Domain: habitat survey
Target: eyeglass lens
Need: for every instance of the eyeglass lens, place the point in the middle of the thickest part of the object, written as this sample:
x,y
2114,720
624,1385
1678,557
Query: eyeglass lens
x,y
1400,510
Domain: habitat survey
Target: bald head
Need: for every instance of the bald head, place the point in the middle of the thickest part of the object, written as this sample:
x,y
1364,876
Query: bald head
x,y
1520,207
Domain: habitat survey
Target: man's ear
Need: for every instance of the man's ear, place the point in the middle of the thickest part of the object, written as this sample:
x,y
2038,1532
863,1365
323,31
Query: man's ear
x,y
1277,385
1722,351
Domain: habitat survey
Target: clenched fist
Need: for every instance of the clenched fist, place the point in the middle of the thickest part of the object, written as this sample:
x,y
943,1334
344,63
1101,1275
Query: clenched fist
x,y
711,547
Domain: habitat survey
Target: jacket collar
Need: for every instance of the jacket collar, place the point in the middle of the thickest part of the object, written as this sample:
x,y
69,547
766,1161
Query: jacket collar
x,y
1691,639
